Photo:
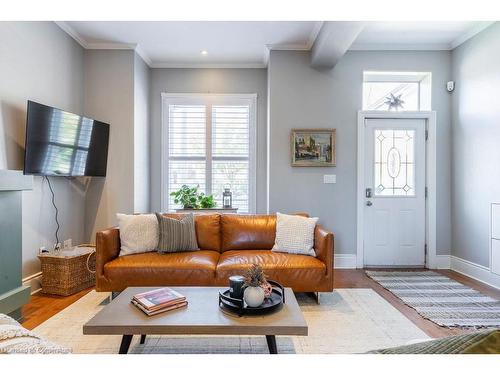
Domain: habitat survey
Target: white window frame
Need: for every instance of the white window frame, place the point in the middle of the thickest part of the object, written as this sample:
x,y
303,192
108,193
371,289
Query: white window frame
x,y
420,78
209,100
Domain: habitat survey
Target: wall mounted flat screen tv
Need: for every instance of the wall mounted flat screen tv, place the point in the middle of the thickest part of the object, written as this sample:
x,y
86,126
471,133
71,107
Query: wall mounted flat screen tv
x,y
60,143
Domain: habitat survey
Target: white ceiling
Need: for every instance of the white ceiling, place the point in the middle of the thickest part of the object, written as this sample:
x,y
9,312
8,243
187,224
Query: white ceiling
x,y
247,44
415,35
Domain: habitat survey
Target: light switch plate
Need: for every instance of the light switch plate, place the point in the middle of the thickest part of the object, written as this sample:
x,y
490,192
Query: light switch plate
x,y
329,179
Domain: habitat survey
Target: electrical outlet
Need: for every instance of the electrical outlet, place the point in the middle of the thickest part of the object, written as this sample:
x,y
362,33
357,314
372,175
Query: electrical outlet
x,y
329,179
68,243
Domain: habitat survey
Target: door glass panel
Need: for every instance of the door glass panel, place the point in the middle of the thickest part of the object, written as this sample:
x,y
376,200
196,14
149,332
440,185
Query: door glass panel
x,y
394,162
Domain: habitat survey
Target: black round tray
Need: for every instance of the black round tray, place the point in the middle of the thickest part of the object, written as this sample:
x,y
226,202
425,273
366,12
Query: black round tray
x,y
238,306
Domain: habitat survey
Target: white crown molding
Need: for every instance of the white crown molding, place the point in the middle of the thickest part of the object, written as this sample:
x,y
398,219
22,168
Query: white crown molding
x,y
267,52
72,33
144,55
314,33
288,47
122,46
159,65
294,47
110,46
118,46
137,48
474,30
400,47
282,47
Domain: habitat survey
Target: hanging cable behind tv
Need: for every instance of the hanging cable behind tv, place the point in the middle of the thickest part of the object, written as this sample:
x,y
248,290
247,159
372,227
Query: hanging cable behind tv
x,y
57,245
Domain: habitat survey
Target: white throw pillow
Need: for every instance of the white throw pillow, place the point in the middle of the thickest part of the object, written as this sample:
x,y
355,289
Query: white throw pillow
x,y
138,233
295,234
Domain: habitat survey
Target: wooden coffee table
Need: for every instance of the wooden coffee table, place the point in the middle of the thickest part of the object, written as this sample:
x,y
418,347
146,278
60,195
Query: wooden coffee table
x,y
202,316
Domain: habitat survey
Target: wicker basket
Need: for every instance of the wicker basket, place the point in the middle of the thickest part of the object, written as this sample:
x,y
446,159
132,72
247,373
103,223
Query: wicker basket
x,y
64,276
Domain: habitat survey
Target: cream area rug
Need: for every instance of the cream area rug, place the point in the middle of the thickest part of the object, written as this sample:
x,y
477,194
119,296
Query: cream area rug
x,y
347,321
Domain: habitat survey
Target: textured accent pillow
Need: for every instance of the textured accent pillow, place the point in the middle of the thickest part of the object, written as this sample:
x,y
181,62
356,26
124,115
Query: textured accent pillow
x,y
138,233
295,234
15,339
176,235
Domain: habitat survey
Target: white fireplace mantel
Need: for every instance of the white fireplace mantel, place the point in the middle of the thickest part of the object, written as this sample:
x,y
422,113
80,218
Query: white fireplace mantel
x,y
14,180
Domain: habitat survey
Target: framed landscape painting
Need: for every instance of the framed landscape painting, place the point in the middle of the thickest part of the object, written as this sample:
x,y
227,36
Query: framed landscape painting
x,y
313,147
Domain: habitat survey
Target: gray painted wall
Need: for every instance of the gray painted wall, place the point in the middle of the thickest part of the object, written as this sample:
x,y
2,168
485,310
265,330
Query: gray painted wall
x,y
40,62
222,81
142,79
302,97
109,97
475,139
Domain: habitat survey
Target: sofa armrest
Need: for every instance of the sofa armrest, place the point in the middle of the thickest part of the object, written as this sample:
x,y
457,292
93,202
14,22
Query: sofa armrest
x,y
107,248
323,246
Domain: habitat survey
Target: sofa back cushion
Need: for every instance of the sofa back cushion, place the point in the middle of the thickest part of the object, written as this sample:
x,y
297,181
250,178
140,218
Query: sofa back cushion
x,y
248,232
207,230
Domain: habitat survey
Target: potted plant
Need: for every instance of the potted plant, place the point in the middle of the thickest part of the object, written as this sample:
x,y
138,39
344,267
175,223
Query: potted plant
x,y
206,201
190,199
255,279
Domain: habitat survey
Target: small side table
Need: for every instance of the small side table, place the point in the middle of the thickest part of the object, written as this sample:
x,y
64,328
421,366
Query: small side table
x,y
65,272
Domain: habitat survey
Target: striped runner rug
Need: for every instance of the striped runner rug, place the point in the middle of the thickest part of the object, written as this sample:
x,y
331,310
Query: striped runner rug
x,y
440,299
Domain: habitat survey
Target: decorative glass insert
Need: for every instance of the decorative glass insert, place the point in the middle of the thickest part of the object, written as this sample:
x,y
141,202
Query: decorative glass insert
x,y
396,91
377,95
394,162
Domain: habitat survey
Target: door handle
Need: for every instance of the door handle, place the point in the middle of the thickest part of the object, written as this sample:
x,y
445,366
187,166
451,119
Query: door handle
x,y
369,203
368,193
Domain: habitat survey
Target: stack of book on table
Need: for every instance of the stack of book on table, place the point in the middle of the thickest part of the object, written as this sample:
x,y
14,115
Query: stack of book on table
x,y
159,300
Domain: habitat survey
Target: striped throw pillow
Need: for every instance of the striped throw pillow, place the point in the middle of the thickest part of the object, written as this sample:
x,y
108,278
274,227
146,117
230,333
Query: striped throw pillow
x,y
176,235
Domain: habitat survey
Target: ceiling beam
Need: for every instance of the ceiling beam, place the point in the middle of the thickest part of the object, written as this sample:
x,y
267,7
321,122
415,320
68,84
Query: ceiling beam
x,y
332,42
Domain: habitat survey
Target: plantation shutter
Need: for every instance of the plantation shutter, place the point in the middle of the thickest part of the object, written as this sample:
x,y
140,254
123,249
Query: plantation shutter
x,y
210,144
186,148
230,153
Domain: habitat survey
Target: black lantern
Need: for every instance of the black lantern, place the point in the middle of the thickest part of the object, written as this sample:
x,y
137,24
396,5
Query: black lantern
x,y
227,198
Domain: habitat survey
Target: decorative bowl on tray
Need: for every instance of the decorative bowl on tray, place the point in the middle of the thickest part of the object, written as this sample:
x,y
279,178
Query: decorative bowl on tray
x,y
272,303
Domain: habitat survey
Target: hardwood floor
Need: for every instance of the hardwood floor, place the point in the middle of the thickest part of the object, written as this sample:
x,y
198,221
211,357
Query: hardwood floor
x,y
358,279
43,306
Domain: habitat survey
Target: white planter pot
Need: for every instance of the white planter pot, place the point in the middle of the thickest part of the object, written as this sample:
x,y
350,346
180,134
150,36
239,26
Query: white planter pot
x,y
253,296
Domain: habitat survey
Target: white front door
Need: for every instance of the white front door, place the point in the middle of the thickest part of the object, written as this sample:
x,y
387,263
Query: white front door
x,y
394,201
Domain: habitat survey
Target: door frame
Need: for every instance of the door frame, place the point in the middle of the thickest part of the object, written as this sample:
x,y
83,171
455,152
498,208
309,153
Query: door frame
x,y
430,179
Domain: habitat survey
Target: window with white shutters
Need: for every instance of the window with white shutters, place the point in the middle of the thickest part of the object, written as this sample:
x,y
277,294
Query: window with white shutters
x,y
209,141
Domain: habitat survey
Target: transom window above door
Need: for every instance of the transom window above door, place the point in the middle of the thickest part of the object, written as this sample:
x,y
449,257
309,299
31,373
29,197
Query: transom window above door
x,y
400,91
209,141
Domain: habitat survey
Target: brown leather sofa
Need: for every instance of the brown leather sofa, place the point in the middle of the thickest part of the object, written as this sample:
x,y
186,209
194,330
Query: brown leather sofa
x,y
229,244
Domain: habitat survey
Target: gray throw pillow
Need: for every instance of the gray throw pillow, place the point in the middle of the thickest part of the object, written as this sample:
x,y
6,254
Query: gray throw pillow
x,y
176,235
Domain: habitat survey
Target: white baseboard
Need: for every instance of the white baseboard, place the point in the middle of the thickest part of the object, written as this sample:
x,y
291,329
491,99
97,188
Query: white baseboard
x,y
443,262
34,282
475,271
345,261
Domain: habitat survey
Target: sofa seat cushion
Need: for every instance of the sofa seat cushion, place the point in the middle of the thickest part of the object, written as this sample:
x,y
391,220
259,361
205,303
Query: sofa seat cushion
x,y
154,269
300,272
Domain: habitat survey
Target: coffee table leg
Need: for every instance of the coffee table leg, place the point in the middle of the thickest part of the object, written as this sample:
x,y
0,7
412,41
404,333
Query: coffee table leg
x,y
143,339
125,344
271,344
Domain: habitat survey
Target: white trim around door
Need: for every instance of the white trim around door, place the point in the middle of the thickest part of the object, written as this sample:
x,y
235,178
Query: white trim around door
x,y
430,183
